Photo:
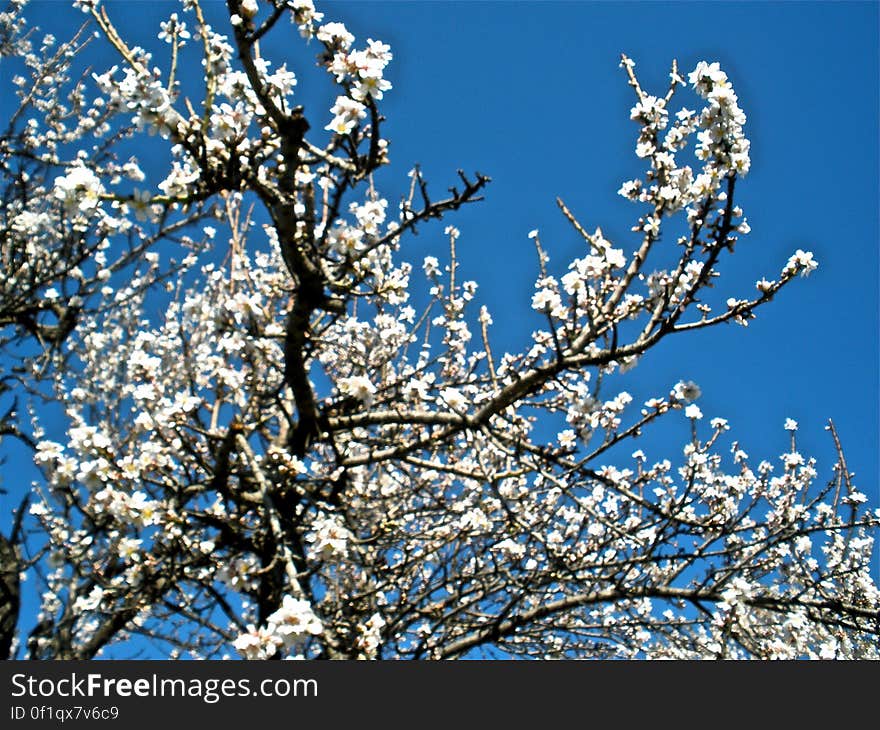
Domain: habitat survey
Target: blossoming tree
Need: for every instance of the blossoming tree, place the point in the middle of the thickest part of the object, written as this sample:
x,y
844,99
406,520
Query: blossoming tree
x,y
269,450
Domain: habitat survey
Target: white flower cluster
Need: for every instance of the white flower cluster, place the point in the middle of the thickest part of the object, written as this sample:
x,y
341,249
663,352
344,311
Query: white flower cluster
x,y
174,31
370,638
329,538
145,95
546,299
721,138
585,273
686,391
359,387
801,262
361,72
347,113
305,16
721,145
286,629
79,191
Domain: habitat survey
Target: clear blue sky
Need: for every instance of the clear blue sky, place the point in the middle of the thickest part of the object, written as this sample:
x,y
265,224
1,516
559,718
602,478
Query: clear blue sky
x,y
531,94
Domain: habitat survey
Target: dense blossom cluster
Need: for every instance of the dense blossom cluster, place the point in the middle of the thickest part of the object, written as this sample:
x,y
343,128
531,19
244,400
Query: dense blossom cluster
x,y
285,629
270,449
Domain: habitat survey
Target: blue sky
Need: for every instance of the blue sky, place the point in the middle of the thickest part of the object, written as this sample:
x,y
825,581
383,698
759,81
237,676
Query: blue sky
x,y
531,94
